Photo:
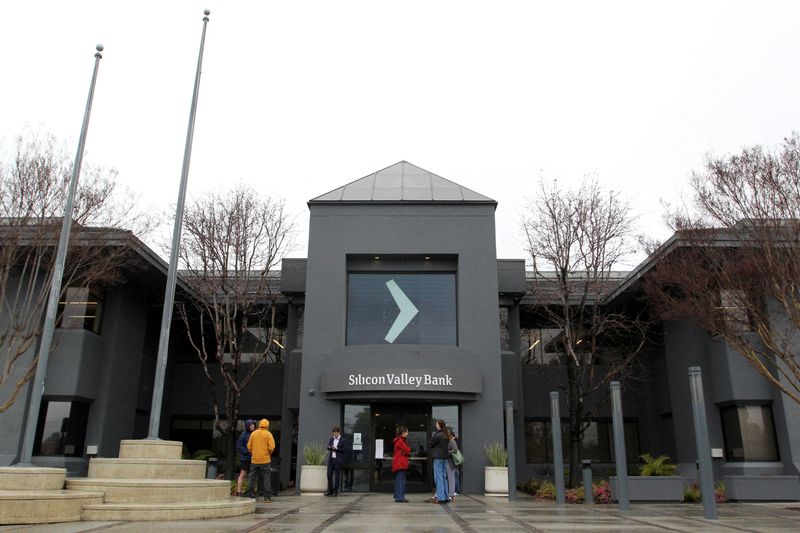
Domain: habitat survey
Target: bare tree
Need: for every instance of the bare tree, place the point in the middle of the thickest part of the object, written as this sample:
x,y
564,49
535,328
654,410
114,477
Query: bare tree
x,y
232,243
733,266
34,178
575,239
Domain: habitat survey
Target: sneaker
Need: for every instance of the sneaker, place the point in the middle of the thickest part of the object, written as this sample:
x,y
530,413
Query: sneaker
x,y
267,500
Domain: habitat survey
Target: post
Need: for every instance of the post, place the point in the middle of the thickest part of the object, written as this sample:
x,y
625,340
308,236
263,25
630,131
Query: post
x,y
172,273
45,344
588,492
705,473
558,454
512,462
619,447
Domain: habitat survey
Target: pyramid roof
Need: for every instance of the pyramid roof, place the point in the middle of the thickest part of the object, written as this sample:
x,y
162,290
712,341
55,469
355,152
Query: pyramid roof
x,y
402,183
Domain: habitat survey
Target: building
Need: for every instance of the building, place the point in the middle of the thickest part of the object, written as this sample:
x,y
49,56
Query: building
x,y
400,315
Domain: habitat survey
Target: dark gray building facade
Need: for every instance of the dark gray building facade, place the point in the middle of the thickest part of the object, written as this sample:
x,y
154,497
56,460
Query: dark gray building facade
x,y
400,315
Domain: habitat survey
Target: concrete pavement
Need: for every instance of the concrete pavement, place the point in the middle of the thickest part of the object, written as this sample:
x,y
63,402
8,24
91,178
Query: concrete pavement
x,y
355,513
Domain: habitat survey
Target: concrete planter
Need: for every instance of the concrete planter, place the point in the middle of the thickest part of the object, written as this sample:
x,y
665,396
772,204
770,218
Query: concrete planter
x,y
313,479
651,488
762,488
496,481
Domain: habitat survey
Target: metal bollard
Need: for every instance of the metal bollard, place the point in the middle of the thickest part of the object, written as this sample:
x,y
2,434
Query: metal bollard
x,y
588,493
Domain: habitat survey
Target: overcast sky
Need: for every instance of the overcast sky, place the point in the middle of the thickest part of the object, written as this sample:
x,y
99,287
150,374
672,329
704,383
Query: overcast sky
x,y
298,98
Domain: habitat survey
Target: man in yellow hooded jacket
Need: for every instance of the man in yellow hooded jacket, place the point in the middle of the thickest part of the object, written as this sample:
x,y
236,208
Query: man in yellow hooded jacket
x,y
261,445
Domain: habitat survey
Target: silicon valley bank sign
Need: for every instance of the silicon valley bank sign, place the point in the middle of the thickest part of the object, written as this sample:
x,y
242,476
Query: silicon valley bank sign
x,y
453,380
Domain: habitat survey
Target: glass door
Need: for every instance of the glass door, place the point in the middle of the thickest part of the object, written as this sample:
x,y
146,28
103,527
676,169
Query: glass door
x,y
385,420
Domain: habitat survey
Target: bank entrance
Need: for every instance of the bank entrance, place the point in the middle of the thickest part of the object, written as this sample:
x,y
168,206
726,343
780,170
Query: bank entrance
x,y
372,430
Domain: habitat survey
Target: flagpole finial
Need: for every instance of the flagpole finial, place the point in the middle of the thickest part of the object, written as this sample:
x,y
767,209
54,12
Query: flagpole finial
x,y
207,12
99,49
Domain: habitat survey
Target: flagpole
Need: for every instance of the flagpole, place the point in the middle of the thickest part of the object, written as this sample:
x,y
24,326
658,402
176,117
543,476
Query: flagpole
x,y
169,295
46,341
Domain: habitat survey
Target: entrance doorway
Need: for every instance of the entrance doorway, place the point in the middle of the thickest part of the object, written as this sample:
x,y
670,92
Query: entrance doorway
x,y
371,428
385,419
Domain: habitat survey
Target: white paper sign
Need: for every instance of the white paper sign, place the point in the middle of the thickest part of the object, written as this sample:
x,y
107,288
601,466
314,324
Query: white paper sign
x,y
378,448
356,438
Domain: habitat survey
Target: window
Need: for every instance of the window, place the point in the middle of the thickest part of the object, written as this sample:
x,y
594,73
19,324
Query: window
x,y
407,308
81,308
749,433
200,433
733,310
62,428
598,441
541,346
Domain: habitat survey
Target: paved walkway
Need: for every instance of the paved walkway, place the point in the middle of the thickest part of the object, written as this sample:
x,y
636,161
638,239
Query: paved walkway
x,y
355,513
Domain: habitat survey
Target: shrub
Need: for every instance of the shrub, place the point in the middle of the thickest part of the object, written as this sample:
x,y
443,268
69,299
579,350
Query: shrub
x,y
691,493
314,453
496,454
575,495
602,492
546,490
719,493
203,455
658,466
530,486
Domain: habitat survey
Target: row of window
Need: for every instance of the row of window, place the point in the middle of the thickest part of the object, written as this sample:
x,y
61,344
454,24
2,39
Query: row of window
x,y
748,433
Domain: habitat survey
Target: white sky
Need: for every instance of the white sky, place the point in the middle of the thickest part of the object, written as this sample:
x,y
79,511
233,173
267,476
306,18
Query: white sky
x,y
298,98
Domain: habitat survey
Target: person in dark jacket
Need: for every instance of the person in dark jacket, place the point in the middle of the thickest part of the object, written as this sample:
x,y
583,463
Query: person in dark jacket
x,y
338,450
439,453
402,451
244,453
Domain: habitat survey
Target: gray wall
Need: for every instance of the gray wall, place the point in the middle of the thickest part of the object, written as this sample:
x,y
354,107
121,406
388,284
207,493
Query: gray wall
x,y
727,378
466,231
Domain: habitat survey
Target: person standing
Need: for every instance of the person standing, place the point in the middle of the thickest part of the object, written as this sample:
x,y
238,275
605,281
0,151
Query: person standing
x,y
438,448
338,448
261,445
244,453
402,451
450,465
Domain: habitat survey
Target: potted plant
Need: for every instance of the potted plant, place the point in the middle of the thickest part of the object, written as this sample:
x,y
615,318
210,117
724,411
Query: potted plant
x,y
314,473
496,473
656,481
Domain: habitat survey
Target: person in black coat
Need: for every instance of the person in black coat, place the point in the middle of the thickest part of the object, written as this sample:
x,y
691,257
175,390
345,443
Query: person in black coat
x,y
338,451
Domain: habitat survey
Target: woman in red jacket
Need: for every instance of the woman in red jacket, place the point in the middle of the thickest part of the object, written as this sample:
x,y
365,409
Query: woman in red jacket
x,y
400,464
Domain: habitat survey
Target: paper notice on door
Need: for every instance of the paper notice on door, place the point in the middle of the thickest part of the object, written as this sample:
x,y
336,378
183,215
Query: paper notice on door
x,y
378,448
356,438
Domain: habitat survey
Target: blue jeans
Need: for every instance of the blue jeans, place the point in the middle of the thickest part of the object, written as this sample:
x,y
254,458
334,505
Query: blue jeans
x,y
400,485
440,478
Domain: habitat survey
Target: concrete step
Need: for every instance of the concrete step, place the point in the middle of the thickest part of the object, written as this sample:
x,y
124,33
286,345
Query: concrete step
x,y
32,478
150,449
146,468
44,506
154,490
169,511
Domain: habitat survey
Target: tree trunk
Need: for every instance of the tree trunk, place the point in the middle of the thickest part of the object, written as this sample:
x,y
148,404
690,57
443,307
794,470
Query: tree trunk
x,y
230,452
575,407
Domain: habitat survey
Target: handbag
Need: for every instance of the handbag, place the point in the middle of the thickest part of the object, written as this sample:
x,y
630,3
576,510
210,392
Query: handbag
x,y
457,457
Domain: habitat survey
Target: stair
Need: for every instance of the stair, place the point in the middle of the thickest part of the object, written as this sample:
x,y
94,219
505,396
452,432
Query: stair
x,y
150,481
33,495
168,511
